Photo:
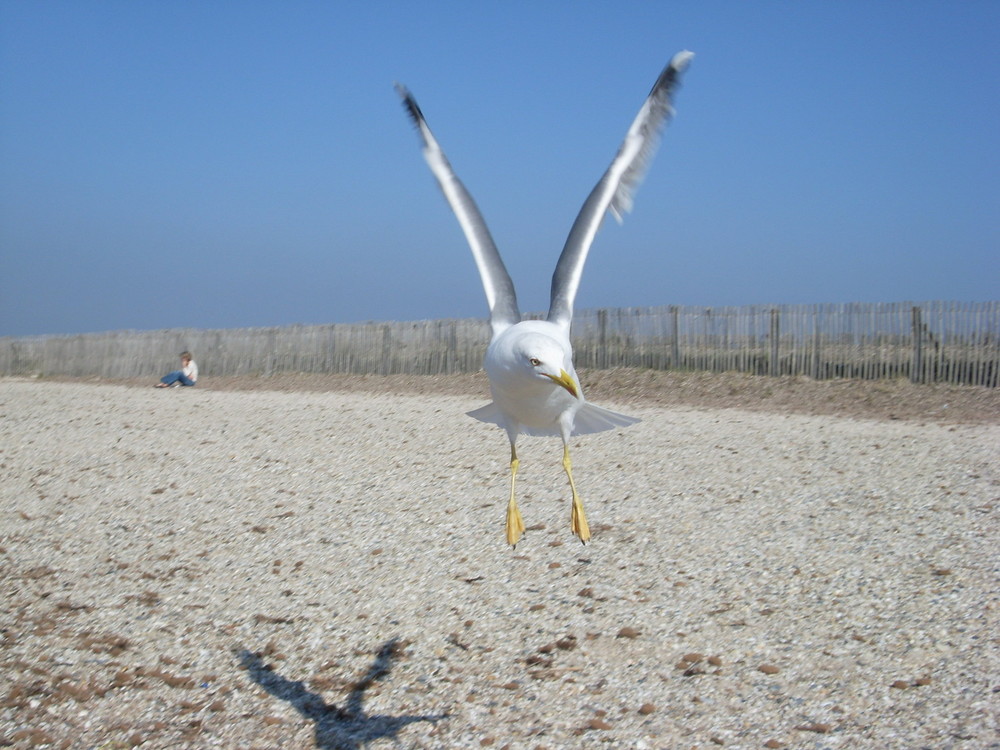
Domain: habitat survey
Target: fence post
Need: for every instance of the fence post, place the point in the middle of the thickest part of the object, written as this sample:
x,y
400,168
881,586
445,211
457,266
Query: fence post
x,y
772,366
452,365
385,367
271,354
917,365
817,344
602,340
675,343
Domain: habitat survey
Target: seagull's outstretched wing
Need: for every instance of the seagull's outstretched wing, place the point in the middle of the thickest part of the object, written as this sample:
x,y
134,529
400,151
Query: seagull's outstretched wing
x,y
496,281
615,190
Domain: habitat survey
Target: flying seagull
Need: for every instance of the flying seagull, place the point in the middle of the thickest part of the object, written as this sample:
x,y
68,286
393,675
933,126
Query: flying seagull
x,y
530,362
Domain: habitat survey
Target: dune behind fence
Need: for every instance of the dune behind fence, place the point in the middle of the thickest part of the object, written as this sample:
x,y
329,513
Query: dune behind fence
x,y
928,342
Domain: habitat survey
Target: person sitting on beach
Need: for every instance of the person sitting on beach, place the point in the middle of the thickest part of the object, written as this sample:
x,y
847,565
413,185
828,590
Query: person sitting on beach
x,y
187,375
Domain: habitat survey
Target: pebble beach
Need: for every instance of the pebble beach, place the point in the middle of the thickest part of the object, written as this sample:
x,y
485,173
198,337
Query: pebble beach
x,y
291,568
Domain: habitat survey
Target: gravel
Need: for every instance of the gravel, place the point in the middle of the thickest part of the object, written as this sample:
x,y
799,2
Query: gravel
x,y
242,567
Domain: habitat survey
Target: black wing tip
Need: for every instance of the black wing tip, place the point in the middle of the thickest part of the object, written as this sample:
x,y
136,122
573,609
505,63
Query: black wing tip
x,y
670,76
409,104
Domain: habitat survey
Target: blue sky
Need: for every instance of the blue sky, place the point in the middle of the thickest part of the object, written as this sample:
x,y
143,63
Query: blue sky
x,y
231,164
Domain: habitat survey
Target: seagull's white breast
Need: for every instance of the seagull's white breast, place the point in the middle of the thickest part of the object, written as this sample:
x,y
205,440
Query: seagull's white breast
x,y
520,390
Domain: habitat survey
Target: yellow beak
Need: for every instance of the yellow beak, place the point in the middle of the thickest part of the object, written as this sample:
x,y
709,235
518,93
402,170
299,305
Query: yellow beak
x,y
566,382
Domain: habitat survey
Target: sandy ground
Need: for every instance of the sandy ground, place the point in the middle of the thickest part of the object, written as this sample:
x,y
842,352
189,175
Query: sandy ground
x,y
874,399
319,562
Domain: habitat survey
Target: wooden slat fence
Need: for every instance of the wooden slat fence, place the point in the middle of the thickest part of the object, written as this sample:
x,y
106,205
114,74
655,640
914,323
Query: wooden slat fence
x,y
948,342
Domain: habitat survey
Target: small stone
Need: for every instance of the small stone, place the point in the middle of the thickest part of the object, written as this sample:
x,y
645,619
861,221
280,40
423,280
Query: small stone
x,y
774,744
122,677
566,644
814,727
900,685
33,736
628,632
922,681
691,664
716,740
715,661
768,669
646,709
600,724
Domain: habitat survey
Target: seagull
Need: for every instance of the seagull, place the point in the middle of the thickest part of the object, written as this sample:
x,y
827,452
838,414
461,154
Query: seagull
x,y
529,363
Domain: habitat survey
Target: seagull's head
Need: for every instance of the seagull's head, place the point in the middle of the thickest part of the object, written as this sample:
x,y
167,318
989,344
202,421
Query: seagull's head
x,y
544,358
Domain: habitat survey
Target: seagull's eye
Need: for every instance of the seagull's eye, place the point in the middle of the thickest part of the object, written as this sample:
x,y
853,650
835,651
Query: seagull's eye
x,y
535,361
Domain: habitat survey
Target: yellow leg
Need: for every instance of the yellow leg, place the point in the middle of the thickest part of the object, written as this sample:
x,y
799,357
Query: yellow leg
x,y
515,524
578,519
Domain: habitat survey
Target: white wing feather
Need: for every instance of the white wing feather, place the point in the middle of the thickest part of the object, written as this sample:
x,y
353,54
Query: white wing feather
x,y
497,284
616,189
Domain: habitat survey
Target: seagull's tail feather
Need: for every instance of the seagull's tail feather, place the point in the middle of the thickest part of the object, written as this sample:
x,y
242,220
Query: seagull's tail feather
x,y
589,419
490,413
592,418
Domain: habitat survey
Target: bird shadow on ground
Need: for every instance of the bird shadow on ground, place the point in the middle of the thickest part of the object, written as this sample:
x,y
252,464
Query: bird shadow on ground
x,y
344,727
